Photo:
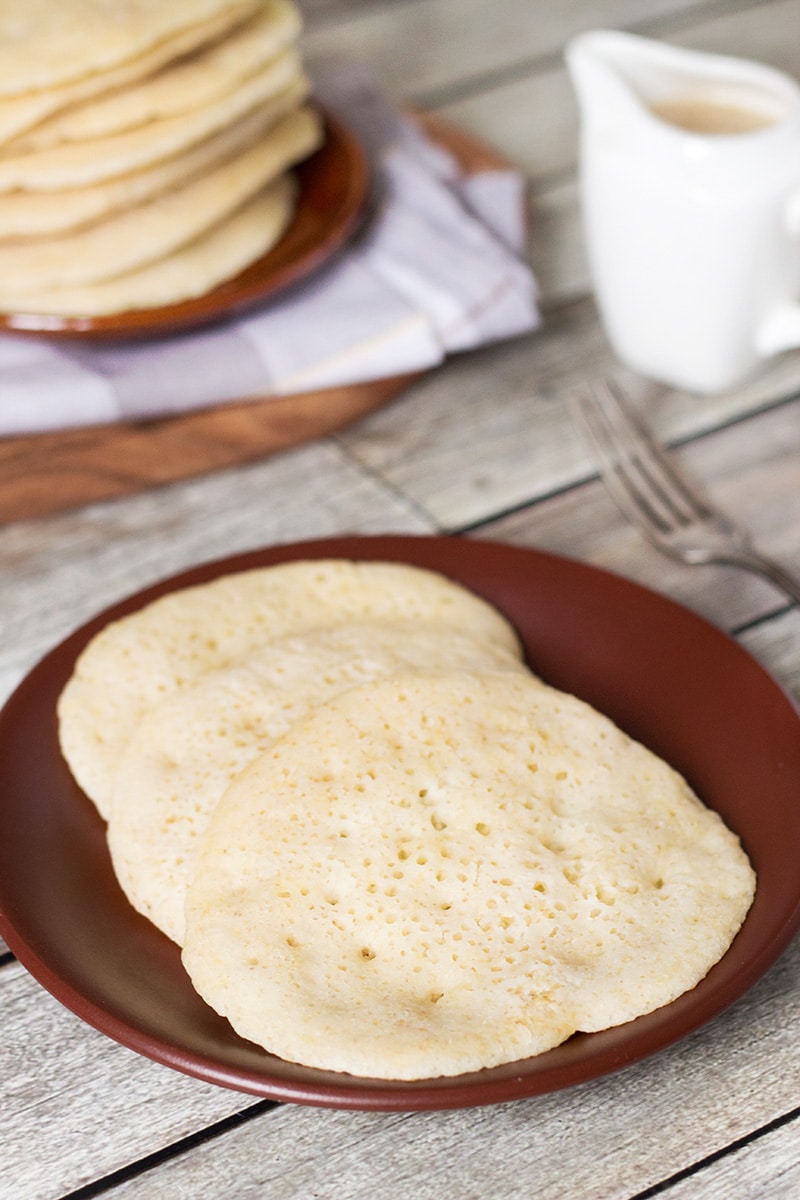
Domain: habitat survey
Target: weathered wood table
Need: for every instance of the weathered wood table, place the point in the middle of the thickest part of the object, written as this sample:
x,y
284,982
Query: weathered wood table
x,y
482,447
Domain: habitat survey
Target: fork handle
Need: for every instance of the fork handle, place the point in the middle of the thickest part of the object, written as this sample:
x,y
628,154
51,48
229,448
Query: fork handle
x,y
751,560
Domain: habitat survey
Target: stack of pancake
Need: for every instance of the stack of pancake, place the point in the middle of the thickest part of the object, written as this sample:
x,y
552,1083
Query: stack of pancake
x,y
384,845
145,149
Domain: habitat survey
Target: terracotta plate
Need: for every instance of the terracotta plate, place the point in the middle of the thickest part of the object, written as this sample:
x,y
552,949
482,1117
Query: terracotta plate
x,y
665,675
334,185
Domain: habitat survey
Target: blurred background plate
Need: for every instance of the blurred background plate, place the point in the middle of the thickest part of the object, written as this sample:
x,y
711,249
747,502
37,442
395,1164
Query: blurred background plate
x,y
334,188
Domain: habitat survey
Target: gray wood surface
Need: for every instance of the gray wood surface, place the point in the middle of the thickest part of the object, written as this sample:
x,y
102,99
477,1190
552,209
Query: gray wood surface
x,y
483,446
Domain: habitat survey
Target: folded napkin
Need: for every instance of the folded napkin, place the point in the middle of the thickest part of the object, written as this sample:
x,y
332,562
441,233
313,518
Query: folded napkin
x,y
438,269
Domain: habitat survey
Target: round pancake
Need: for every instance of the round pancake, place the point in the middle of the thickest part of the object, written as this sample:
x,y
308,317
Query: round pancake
x,y
33,214
192,82
138,236
189,748
431,875
133,663
46,43
21,113
80,164
213,258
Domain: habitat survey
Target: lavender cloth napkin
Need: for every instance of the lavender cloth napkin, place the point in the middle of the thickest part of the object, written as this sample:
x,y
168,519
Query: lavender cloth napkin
x,y
439,269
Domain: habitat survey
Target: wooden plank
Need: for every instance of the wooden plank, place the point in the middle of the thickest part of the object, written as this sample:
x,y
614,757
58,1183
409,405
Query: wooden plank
x,y
50,472
606,1140
777,645
532,118
508,439
67,567
766,1167
120,1105
424,50
761,490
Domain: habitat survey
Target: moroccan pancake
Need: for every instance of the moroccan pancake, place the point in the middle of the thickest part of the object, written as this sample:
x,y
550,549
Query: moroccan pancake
x,y
155,229
79,164
189,748
21,113
211,259
31,214
135,662
432,875
47,43
196,80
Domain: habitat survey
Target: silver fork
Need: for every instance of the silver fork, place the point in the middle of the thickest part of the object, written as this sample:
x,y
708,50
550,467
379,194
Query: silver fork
x,y
655,498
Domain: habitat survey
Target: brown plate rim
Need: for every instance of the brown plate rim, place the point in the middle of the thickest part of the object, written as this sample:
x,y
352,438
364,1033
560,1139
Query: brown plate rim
x,y
665,674
332,202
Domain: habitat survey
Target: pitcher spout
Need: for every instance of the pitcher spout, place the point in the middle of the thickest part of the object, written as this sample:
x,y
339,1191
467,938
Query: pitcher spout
x,y
604,81
620,78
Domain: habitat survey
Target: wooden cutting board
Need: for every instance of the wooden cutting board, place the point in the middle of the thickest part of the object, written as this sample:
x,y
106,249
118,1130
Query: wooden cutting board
x,y
50,472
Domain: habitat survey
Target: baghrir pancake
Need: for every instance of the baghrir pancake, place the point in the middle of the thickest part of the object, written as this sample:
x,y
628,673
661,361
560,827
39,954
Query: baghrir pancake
x,y
135,172
386,847
188,749
33,214
22,112
192,81
191,271
154,230
172,642
47,43
81,164
430,876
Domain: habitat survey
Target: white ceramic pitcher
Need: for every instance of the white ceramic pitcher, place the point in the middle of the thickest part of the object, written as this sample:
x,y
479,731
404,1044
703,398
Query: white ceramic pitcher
x,y
692,233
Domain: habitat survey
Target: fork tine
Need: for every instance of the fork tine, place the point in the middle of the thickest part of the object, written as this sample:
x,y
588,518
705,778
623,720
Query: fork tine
x,y
636,441
595,427
655,499
631,462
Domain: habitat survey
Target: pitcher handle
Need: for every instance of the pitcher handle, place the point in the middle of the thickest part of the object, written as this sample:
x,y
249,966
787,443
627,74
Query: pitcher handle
x,y
780,330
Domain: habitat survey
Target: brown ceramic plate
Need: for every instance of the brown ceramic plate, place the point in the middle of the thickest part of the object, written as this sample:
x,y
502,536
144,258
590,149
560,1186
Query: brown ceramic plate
x,y
667,676
334,184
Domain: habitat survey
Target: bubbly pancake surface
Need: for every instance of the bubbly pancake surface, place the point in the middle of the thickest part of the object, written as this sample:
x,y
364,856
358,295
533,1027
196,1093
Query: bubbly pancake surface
x,y
189,748
432,875
133,663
